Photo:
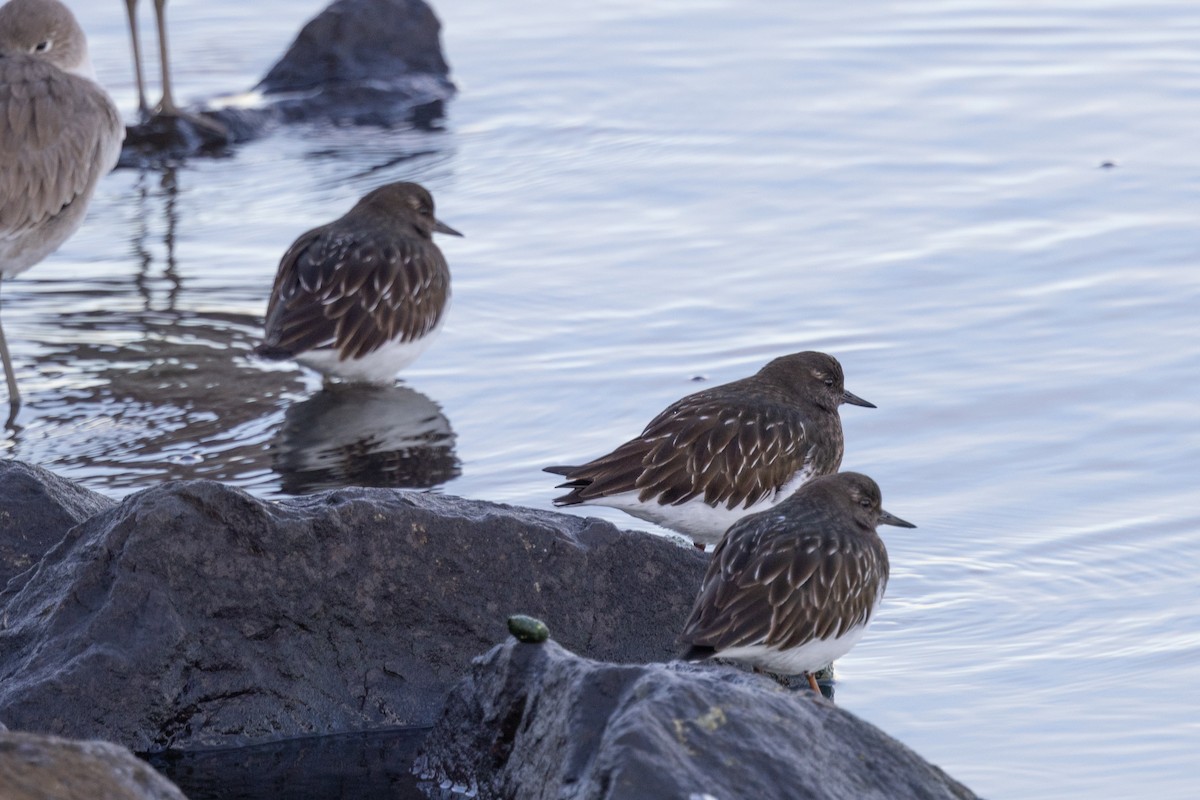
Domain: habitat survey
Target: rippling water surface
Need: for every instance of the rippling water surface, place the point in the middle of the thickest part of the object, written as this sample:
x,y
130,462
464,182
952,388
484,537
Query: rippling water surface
x,y
658,191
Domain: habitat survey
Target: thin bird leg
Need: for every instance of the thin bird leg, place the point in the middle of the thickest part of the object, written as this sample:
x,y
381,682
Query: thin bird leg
x,y
131,10
210,129
812,681
167,104
14,395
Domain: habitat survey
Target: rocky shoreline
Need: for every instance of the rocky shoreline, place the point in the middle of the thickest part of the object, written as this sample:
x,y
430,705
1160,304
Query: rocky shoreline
x,y
192,616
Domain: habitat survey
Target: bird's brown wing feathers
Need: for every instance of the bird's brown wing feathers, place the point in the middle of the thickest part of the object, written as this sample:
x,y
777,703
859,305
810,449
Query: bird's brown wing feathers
x,y
354,293
699,447
779,586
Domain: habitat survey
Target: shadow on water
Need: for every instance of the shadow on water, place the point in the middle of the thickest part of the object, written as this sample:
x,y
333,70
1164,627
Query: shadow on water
x,y
389,436
162,384
159,407
168,185
354,766
156,400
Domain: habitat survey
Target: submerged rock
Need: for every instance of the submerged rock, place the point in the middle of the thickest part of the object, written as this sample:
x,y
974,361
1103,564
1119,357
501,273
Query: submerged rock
x,y
378,42
34,767
194,615
358,62
541,722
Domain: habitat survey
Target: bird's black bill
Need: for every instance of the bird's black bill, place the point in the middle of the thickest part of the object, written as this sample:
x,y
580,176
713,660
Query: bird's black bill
x,y
855,400
891,519
442,227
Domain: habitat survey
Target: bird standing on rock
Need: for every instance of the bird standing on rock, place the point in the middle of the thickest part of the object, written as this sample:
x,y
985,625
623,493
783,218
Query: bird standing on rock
x,y
361,298
166,123
717,455
792,589
59,134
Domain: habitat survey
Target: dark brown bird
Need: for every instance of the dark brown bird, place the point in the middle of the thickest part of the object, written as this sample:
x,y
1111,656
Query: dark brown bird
x,y
360,298
717,455
792,589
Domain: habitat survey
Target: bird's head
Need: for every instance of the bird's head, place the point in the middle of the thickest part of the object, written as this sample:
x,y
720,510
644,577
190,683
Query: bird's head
x,y
45,30
817,377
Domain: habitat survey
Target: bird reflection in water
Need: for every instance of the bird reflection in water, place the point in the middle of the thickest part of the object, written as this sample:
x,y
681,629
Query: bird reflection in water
x,y
358,435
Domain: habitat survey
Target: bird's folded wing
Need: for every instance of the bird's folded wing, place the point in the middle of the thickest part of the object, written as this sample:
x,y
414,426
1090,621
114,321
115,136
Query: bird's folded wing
x,y
59,133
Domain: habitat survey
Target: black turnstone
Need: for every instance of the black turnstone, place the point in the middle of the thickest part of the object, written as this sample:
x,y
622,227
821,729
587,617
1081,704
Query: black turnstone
x,y
60,133
722,453
792,589
360,298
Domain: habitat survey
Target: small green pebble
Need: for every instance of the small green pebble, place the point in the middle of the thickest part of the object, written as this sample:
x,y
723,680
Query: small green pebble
x,y
528,629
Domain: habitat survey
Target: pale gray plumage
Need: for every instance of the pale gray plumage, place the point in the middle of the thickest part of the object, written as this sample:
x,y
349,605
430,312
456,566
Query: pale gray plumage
x,y
59,133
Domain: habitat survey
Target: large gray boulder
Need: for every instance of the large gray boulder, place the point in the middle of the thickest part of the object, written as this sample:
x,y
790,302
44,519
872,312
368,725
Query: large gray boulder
x,y
36,509
34,767
537,722
194,615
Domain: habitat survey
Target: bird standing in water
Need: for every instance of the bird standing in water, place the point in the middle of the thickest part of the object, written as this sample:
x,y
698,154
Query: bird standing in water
x,y
60,133
361,298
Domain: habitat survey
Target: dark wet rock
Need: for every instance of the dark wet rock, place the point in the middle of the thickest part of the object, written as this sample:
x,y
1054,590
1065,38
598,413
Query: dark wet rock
x,y
358,62
194,615
164,138
35,767
373,765
362,42
536,721
36,509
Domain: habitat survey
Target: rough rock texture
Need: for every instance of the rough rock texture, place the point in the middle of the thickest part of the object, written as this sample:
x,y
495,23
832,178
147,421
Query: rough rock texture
x,y
535,721
357,41
362,62
36,509
358,62
34,767
194,615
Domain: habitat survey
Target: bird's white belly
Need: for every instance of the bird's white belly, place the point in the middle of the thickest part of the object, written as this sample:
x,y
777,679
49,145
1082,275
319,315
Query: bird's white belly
x,y
808,657
704,523
379,366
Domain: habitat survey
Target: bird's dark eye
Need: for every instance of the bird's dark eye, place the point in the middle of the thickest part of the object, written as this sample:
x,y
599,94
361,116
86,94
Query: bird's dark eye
x,y
829,381
42,47
864,502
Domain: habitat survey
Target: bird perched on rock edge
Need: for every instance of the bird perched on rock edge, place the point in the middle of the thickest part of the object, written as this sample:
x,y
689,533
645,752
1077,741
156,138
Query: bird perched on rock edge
x,y
791,589
717,455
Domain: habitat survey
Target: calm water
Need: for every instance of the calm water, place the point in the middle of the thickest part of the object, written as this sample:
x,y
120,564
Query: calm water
x,y
654,191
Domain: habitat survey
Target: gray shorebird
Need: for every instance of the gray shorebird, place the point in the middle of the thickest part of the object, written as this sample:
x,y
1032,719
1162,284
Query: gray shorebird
x,y
361,298
717,455
59,134
792,589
